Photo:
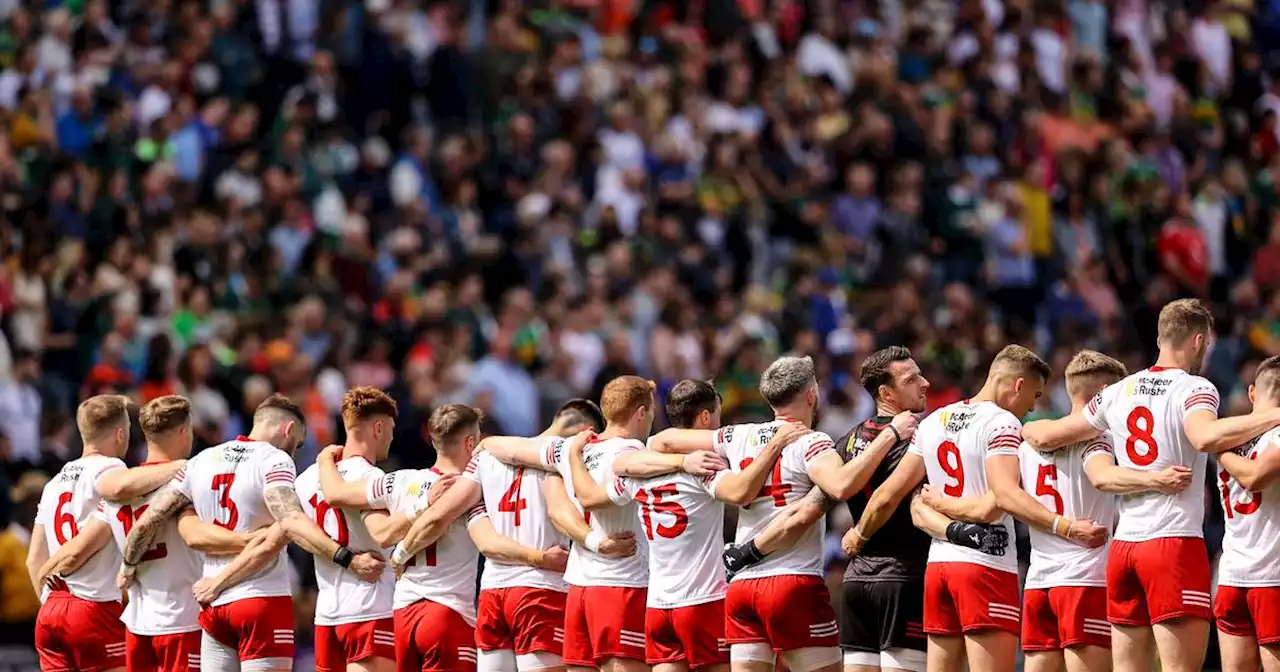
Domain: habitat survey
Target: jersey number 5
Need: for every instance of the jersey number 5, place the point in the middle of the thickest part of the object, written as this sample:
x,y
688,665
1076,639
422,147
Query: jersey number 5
x,y
511,501
949,460
222,485
127,516
651,502
322,511
1141,425
1046,479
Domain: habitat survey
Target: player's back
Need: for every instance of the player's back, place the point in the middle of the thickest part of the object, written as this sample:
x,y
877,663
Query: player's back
x,y
344,597
684,525
227,485
444,572
517,510
66,505
1249,557
787,482
955,442
1145,413
585,567
160,599
1059,482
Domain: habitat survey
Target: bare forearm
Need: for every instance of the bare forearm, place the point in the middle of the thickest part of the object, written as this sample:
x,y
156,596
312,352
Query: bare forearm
x,y
742,487
590,495
163,508
125,484
255,557
645,463
929,520
857,472
1021,505
210,539
1119,480
496,547
515,451
564,515
980,509
73,554
794,522
1228,433
337,490
284,506
387,529
425,531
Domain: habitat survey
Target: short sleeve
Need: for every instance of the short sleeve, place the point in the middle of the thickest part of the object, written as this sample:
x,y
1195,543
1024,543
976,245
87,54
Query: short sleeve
x,y
472,471
42,513
100,513
819,444
712,481
621,490
724,439
1095,412
1004,438
107,466
377,490
913,448
552,455
475,514
278,470
1099,446
181,483
1201,396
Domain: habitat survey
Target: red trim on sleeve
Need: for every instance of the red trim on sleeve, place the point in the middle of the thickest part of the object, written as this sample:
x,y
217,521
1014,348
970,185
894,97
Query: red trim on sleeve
x,y
817,448
1201,399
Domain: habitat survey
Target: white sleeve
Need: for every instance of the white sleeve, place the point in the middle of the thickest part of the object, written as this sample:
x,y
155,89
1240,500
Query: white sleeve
x,y
472,471
712,481
1099,446
377,491
1201,395
1004,435
621,490
725,437
475,513
278,470
109,465
553,457
819,445
1095,412
181,483
913,448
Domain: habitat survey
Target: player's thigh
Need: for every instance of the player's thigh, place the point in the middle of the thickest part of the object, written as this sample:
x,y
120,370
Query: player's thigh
x,y
945,654
1132,648
678,666
1239,652
813,659
1043,661
991,650
373,664
1181,643
623,665
1270,655
216,656
1088,659
751,657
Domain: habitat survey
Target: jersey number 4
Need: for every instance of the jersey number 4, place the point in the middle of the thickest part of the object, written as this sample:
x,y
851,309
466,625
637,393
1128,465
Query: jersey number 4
x,y
651,502
773,486
511,501
127,516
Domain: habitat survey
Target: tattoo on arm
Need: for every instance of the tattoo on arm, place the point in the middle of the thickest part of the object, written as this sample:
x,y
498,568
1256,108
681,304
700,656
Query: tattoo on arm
x,y
282,502
167,505
820,499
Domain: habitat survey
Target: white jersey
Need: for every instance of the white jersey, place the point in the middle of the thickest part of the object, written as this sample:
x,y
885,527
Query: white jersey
x,y
344,597
513,499
66,505
955,442
160,599
1249,558
1058,481
1145,413
444,572
788,482
227,485
592,569
684,524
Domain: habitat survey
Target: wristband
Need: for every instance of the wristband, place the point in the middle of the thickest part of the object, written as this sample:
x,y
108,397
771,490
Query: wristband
x,y
593,540
858,533
400,556
897,438
343,557
1053,527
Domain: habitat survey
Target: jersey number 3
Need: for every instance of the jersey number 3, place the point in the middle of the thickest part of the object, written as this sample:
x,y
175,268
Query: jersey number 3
x,y
222,485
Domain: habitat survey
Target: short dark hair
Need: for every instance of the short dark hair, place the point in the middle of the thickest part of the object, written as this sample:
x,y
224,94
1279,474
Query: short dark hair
x,y
689,398
1267,380
280,404
875,368
580,411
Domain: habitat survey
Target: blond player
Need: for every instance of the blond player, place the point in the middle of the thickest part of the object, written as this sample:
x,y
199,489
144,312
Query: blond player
x,y
243,485
1064,607
1247,606
354,627
1158,566
79,627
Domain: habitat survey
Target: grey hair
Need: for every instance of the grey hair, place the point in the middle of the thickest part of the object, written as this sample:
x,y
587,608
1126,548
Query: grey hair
x,y
786,379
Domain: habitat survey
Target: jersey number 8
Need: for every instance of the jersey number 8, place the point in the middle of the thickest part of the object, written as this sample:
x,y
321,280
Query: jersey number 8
x,y
1141,425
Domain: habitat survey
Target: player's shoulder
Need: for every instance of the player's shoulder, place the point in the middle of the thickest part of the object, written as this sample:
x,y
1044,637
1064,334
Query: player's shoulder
x,y
615,444
812,439
1259,443
994,415
355,467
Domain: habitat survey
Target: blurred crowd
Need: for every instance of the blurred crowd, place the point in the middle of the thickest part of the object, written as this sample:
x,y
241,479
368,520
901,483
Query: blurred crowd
x,y
508,203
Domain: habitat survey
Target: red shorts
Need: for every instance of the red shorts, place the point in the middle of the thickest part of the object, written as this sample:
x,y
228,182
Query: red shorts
x,y
256,627
602,622
431,637
962,597
787,612
76,634
523,620
693,634
337,645
163,653
1249,612
1060,618
1157,580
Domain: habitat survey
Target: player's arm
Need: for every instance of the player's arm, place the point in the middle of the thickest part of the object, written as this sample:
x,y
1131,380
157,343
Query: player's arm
x,y
675,440
385,527
989,539
37,555
1004,480
1211,434
782,532
928,519
207,538
495,546
984,508
848,478
77,551
518,451
1254,475
282,502
906,477
124,484
589,493
566,518
647,463
434,522
168,504
741,487
1102,471
337,490
1047,435
263,547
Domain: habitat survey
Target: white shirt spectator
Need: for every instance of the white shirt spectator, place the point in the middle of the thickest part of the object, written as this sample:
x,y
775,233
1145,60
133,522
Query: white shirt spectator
x,y
1211,215
1051,58
20,412
1212,44
12,82
586,349
622,150
153,104
1161,91
817,56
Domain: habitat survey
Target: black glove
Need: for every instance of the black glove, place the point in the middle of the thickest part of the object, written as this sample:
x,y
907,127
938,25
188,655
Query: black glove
x,y
738,558
989,539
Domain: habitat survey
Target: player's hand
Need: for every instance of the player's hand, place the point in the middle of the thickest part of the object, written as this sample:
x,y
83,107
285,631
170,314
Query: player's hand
x,y
554,559
987,539
905,422
702,463
786,435
368,566
620,545
332,453
929,496
851,543
738,557
1172,480
440,487
580,440
126,576
205,590
1087,533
